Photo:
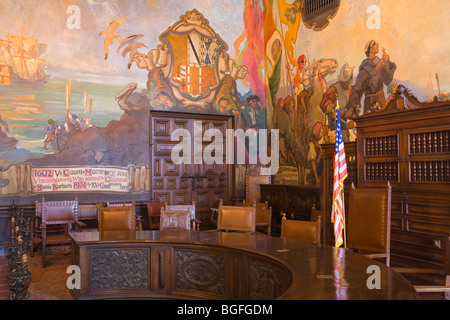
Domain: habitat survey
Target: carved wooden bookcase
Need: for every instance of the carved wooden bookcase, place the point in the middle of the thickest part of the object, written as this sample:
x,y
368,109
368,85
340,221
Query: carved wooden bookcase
x,y
410,149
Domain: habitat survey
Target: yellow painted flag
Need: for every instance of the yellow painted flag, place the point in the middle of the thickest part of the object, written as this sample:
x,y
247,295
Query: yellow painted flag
x,y
290,16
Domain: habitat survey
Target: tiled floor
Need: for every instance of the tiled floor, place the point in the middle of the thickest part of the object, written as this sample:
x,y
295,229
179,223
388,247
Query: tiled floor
x,y
46,284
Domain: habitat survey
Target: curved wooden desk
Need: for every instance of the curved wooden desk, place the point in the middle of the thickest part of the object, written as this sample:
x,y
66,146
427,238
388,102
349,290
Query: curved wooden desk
x,y
216,265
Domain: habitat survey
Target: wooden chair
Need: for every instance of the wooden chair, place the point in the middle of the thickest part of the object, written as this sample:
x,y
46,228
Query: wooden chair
x,y
138,219
215,212
236,218
264,219
369,222
302,230
88,214
154,213
427,289
175,220
118,218
63,213
120,204
315,215
183,207
36,234
257,205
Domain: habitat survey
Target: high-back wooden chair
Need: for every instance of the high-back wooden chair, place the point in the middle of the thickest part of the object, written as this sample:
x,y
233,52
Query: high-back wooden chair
x,y
154,213
118,218
369,222
63,213
302,230
175,220
186,207
264,219
88,214
237,218
138,218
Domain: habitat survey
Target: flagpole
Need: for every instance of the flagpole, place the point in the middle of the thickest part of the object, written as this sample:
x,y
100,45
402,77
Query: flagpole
x,y
343,218
340,174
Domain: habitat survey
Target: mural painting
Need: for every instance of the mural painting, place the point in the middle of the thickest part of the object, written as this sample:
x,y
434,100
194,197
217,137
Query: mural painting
x,y
364,55
76,95
76,91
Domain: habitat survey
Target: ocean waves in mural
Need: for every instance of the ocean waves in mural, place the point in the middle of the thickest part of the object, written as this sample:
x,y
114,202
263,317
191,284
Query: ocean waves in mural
x,y
27,110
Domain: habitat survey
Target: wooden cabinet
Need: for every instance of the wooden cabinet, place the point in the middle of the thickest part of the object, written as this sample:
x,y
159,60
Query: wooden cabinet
x,y
410,149
295,200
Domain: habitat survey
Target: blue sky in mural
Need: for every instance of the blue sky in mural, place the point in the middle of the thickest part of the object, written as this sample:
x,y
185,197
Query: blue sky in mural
x,y
79,52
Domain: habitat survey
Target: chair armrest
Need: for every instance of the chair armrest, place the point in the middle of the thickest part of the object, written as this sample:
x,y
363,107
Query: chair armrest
x,y
81,224
196,224
214,214
139,222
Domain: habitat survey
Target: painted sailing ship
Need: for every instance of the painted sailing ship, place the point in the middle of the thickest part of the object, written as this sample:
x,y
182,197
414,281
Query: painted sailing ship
x,y
20,62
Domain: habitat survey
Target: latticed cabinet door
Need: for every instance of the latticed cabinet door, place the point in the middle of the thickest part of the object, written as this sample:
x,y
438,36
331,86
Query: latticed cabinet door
x,y
409,149
379,159
428,157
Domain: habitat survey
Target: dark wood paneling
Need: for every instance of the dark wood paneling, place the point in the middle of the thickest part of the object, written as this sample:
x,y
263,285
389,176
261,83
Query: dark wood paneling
x,y
186,182
294,200
410,149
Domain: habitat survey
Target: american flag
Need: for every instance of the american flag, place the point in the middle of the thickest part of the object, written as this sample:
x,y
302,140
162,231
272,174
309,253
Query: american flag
x,y
340,173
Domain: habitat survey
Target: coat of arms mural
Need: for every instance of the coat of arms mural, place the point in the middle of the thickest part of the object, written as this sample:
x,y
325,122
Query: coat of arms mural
x,y
189,66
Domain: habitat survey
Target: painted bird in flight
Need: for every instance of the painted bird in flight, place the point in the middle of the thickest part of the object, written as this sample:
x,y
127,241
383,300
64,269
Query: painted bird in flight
x,y
132,45
110,34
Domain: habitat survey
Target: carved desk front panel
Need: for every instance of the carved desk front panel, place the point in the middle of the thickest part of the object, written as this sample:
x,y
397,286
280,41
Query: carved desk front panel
x,y
218,265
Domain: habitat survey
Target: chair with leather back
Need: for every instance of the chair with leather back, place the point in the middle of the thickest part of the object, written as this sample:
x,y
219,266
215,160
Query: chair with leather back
x,y
369,222
186,207
154,214
138,219
302,230
62,213
175,220
264,219
117,218
434,288
237,218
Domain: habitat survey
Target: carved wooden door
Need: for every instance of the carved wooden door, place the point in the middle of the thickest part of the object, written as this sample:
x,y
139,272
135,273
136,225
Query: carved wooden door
x,y
188,181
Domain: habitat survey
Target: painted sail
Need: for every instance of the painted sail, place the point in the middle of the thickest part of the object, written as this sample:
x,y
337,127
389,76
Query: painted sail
x,y
21,53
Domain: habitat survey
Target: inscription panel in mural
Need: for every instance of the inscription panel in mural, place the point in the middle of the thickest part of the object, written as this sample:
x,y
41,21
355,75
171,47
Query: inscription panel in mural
x,y
79,179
